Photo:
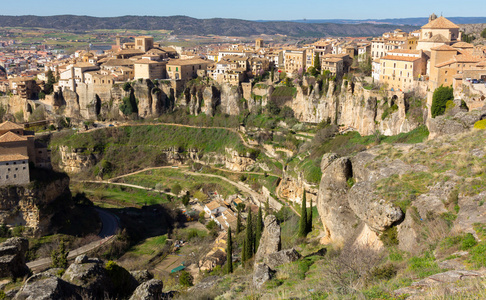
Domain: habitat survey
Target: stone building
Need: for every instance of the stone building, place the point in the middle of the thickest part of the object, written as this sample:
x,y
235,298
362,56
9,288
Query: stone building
x,y
18,148
295,61
400,69
185,69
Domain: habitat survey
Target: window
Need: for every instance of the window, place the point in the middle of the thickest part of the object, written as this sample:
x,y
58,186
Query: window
x,y
23,168
15,175
15,162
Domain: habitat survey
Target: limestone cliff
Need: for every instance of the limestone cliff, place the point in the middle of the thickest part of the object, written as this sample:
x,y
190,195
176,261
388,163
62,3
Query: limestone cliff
x,y
34,205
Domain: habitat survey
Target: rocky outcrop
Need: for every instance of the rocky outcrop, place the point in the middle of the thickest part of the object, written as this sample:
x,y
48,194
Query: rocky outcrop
x,y
76,160
150,290
261,275
282,257
451,279
89,278
377,213
336,215
12,258
459,123
47,286
354,213
31,205
270,240
90,275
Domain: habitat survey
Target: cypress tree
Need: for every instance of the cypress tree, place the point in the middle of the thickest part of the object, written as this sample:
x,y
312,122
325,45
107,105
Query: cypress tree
x,y
249,241
317,62
238,222
243,252
259,229
229,252
303,218
309,218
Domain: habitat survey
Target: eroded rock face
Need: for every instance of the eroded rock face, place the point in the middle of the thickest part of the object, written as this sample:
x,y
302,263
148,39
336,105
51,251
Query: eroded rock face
x,y
282,257
25,204
261,275
270,241
344,210
91,276
459,123
377,213
336,215
46,286
150,290
12,257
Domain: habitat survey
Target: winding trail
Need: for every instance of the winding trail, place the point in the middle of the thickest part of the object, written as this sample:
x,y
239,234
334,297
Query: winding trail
x,y
110,225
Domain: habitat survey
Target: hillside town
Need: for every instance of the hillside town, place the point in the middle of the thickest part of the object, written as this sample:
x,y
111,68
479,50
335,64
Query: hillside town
x,y
430,57
320,168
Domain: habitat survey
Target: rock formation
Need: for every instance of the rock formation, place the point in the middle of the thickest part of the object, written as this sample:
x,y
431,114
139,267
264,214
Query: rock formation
x,y
88,278
12,257
30,205
270,240
353,213
150,290
282,257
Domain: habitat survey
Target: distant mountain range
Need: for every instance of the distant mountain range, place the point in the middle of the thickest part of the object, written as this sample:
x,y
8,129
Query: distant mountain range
x,y
182,25
401,21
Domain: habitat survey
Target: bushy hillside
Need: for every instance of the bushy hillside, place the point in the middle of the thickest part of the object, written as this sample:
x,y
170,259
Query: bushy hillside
x,y
183,25
123,149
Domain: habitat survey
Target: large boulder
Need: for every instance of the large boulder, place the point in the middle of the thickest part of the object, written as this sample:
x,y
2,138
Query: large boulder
x,y
460,122
261,275
91,276
282,257
141,276
47,286
270,240
336,215
150,290
12,257
377,213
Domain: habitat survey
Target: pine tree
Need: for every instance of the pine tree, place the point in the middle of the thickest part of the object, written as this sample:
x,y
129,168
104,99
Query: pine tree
x,y
259,229
238,222
249,241
229,252
309,218
303,218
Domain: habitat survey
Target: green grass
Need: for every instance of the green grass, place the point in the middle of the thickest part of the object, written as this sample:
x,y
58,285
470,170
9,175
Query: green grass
x,y
423,266
150,246
167,178
123,196
126,149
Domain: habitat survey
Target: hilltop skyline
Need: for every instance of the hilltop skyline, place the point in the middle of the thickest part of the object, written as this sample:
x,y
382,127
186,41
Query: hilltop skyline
x,y
248,10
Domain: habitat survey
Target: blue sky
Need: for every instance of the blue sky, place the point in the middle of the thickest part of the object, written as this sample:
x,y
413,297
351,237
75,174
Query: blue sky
x,y
250,9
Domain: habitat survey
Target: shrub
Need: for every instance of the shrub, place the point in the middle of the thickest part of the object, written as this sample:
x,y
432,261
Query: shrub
x,y
468,242
176,189
389,237
441,95
385,272
480,124
185,279
120,278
